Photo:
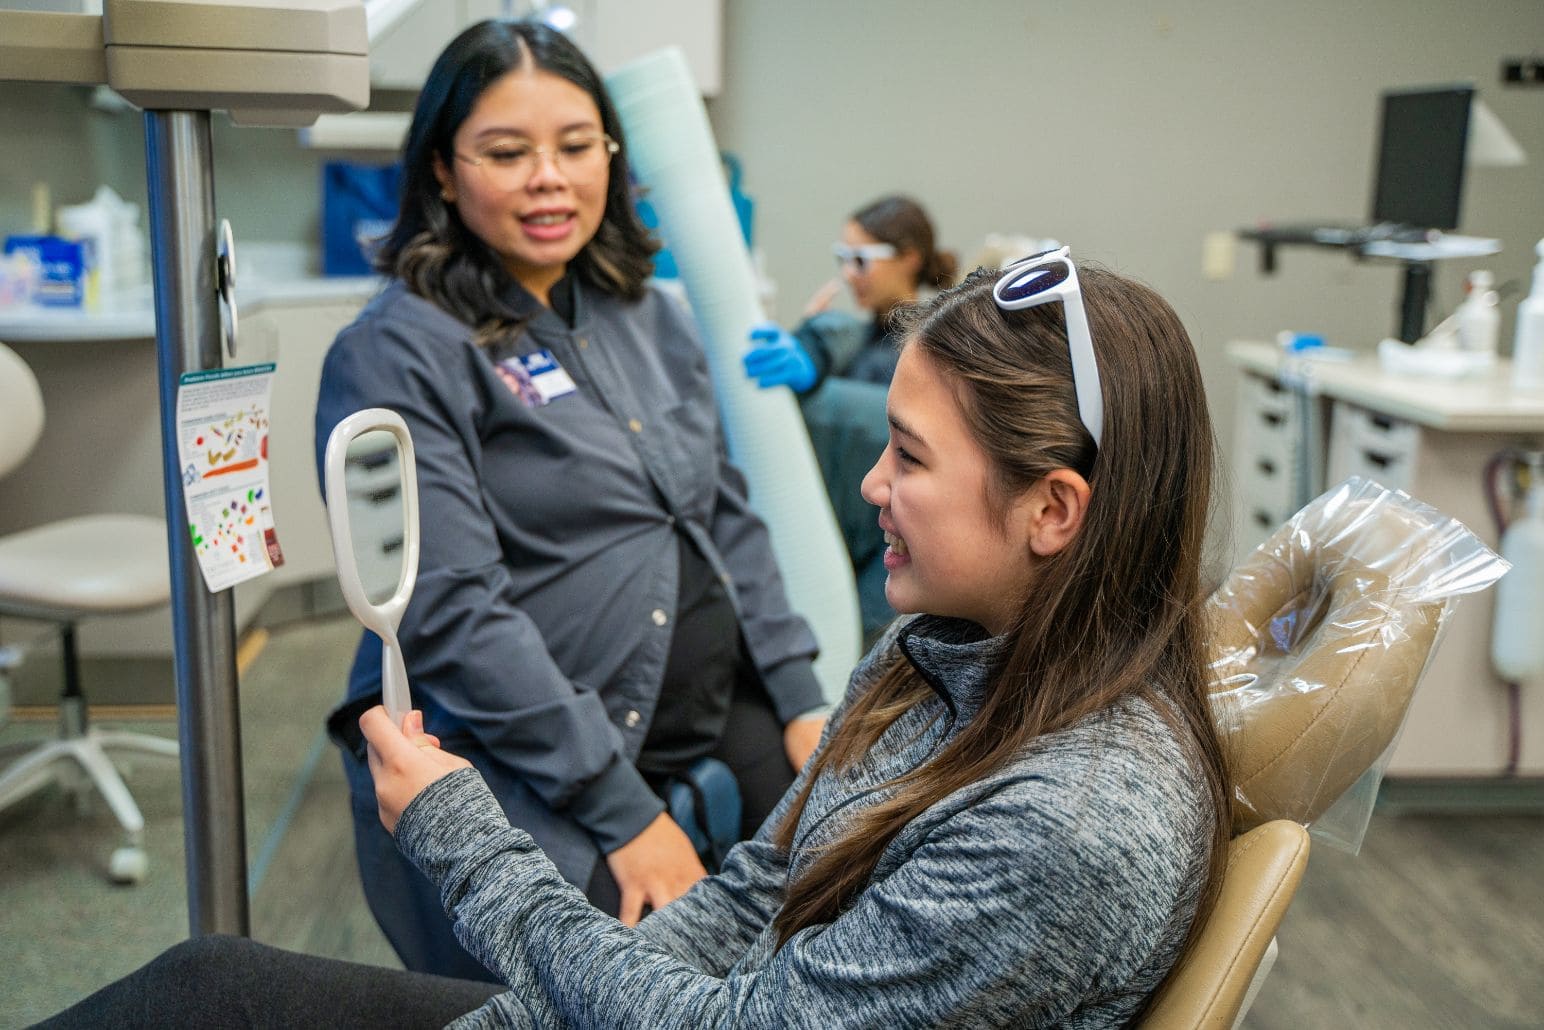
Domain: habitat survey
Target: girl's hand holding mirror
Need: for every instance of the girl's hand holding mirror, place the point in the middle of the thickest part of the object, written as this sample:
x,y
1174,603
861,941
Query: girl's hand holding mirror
x,y
404,760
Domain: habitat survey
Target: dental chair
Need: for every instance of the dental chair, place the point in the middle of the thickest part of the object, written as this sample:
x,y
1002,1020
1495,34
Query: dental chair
x,y
1318,641
62,572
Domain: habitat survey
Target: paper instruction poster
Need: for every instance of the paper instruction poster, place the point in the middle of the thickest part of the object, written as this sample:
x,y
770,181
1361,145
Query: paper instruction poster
x,y
222,448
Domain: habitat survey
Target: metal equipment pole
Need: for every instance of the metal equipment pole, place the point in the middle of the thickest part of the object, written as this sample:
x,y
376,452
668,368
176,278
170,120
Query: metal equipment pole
x,y
180,178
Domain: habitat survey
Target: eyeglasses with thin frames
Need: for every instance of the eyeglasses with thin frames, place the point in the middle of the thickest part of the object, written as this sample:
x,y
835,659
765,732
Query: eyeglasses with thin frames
x,y
1041,279
509,164
861,256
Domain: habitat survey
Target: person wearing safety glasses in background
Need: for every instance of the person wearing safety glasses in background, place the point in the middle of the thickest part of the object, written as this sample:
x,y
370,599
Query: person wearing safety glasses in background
x,y
840,364
888,258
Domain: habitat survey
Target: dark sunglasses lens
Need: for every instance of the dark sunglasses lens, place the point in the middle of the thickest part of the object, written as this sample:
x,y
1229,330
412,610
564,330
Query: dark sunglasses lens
x,y
1021,282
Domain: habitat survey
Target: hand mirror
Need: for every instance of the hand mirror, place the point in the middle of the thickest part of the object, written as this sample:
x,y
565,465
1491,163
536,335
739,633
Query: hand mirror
x,y
371,484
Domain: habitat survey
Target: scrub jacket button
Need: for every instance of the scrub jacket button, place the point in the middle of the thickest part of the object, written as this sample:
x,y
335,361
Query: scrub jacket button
x,y
669,520
659,617
583,342
633,718
635,425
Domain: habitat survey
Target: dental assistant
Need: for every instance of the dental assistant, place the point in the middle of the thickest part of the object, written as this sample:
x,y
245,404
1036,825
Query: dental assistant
x,y
596,606
887,256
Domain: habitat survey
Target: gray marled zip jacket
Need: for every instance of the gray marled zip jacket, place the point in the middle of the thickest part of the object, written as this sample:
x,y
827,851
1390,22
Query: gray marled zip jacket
x,y
1056,892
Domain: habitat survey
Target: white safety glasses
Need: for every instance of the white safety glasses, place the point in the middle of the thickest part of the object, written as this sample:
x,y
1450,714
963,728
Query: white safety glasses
x,y
861,257
1041,279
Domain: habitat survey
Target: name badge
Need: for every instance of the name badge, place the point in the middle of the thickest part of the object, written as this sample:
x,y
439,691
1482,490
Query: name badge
x,y
536,378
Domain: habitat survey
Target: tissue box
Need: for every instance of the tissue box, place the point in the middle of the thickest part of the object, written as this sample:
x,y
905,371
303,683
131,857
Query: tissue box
x,y
64,268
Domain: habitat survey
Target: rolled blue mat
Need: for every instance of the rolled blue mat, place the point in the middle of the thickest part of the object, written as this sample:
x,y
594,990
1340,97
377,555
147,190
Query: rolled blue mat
x,y
672,152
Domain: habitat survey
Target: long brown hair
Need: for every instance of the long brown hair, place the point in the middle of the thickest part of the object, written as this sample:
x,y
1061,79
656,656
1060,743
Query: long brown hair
x,y
1113,615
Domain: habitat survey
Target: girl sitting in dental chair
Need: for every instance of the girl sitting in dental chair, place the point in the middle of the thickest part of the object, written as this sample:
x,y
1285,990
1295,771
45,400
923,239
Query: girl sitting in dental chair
x,y
1017,815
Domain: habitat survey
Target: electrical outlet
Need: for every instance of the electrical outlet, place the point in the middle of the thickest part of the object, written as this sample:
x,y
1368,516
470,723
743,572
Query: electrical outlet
x,y
1217,255
1522,71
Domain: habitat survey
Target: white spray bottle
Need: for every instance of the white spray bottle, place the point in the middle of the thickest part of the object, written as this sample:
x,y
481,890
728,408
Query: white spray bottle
x,y
1528,345
1517,637
1479,318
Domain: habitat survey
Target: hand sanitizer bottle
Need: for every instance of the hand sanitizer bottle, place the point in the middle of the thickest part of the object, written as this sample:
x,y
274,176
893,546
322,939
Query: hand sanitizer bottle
x,y
1479,317
1528,346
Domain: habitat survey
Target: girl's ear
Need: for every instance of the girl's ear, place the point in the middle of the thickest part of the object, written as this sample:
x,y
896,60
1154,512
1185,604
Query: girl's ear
x,y
1054,510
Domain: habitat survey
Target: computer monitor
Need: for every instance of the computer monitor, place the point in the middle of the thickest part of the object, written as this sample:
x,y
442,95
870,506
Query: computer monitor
x,y
1421,141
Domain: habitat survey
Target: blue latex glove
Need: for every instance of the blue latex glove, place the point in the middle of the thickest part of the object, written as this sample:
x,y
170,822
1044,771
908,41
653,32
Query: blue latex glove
x,y
776,358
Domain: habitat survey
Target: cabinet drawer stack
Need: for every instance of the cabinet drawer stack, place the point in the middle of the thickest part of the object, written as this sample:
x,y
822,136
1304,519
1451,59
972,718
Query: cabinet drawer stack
x,y
1268,462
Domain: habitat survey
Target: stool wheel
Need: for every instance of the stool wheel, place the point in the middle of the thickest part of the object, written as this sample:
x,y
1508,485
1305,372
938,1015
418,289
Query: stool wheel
x,y
129,865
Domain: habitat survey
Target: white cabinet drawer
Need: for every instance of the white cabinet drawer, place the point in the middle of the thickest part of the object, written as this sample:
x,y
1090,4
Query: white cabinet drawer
x,y
1366,443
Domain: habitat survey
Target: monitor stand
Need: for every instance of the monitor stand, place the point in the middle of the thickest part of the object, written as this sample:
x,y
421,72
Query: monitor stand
x,y
1414,294
1415,248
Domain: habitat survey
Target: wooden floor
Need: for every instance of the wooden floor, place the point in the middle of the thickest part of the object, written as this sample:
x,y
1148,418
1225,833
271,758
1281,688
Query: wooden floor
x,y
1438,923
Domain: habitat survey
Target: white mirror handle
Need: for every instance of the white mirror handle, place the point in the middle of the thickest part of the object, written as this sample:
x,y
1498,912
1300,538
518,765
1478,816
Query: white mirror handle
x,y
382,619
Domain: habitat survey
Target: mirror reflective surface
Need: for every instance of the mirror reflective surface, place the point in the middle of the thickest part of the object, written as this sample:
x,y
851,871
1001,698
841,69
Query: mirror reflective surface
x,y
373,481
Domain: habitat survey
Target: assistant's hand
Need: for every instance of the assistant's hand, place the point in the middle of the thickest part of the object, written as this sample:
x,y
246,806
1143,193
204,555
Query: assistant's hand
x,y
776,358
821,299
403,761
654,868
801,737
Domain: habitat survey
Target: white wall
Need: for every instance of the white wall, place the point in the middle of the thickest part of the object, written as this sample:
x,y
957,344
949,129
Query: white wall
x,y
1127,129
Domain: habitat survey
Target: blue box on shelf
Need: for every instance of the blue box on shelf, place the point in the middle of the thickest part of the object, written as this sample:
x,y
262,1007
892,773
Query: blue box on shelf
x,y
359,207
63,268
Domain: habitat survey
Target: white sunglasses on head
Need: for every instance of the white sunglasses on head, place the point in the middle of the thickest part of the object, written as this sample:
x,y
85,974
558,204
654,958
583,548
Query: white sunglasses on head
x,y
1041,279
861,256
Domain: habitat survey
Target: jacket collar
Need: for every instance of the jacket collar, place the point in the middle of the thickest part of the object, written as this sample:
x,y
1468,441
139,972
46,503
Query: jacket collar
x,y
568,296
955,656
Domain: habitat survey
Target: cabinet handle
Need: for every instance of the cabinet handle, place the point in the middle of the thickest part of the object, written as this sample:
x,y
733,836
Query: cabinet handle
x,y
1383,461
1263,520
1270,418
1267,466
1383,422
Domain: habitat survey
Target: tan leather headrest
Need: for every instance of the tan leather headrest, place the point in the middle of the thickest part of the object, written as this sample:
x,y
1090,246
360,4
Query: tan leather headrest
x,y
1318,642
1208,987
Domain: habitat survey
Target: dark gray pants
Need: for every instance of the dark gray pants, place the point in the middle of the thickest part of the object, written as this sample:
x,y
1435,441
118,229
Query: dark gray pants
x,y
216,981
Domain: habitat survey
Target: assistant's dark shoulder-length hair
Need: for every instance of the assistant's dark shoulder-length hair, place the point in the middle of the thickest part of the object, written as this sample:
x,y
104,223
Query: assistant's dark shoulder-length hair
x,y
432,251
903,223
1115,614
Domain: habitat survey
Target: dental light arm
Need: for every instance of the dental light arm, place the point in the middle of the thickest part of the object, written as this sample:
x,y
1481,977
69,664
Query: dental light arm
x,y
44,46
267,62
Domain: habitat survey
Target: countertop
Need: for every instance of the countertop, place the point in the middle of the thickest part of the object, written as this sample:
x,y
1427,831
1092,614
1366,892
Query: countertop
x,y
1481,403
132,317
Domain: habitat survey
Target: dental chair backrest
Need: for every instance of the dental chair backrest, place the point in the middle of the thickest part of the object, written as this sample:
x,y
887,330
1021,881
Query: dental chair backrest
x,y
1318,641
